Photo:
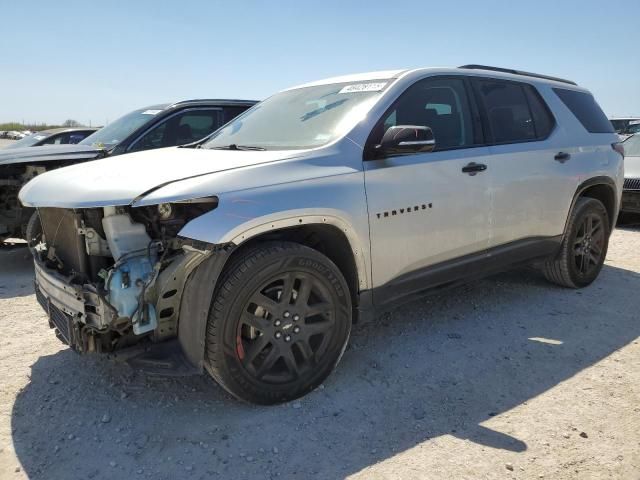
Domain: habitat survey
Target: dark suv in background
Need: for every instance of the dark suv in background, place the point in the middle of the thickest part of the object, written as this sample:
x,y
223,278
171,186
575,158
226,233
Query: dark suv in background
x,y
157,126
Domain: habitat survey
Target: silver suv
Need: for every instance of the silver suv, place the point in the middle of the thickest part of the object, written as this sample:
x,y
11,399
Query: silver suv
x,y
258,249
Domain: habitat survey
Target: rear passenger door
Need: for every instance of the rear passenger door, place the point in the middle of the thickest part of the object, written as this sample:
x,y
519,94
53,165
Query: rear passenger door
x,y
529,185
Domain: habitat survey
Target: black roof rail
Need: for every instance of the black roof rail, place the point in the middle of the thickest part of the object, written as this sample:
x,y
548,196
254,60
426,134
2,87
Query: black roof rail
x,y
516,72
221,101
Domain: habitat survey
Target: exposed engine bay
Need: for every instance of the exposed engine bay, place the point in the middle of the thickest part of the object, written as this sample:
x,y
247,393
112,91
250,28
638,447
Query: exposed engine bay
x,y
13,216
113,277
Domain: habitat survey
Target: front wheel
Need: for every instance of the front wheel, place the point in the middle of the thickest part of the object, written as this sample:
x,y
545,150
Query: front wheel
x,y
278,324
584,247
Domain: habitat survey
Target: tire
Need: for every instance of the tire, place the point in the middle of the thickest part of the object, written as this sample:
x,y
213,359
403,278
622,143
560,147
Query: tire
x,y
581,255
33,231
279,323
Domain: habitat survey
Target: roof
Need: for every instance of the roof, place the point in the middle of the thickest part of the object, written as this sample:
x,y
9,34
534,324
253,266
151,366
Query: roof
x,y
471,69
516,72
358,77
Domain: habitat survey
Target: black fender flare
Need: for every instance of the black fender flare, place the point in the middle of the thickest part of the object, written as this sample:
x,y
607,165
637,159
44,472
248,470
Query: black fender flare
x,y
592,182
196,303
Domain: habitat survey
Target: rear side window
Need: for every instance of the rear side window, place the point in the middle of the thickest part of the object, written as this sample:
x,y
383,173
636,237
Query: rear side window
x,y
586,110
508,112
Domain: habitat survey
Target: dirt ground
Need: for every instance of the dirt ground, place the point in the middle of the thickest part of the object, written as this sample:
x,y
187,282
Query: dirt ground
x,y
509,377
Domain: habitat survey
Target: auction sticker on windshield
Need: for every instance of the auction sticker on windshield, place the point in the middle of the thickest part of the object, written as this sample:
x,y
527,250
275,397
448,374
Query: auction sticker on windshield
x,y
363,87
151,112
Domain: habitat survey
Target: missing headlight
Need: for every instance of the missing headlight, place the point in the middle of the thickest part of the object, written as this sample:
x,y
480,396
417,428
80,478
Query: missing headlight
x,y
165,220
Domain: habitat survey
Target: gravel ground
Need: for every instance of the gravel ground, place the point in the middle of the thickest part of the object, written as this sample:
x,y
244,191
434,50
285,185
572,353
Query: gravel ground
x,y
4,142
509,377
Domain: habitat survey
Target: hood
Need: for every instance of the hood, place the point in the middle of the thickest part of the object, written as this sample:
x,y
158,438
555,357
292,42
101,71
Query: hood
x,y
49,153
632,167
122,179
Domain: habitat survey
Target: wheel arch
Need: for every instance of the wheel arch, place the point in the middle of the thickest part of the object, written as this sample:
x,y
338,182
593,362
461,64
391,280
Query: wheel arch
x,y
327,236
602,189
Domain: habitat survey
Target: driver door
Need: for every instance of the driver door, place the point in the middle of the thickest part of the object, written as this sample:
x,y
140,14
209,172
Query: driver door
x,y
428,218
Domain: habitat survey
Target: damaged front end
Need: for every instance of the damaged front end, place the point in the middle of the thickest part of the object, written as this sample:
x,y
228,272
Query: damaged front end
x,y
113,277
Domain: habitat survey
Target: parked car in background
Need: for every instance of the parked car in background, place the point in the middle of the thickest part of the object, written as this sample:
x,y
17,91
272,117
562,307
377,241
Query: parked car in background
x,y
14,135
258,249
54,136
147,128
626,126
631,189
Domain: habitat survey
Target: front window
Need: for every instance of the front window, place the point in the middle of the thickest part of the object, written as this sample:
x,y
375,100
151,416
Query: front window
x,y
438,103
302,118
115,132
632,146
182,128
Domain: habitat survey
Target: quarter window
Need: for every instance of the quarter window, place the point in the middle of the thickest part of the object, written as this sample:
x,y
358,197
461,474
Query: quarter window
x,y
438,103
586,110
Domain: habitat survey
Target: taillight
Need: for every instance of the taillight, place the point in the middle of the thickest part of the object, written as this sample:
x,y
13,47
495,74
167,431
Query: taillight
x,y
618,147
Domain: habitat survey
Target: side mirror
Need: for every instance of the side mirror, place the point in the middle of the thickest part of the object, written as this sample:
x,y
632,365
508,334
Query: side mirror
x,y
405,139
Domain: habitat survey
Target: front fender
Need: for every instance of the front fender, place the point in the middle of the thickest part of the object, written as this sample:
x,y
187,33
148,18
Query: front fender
x,y
337,200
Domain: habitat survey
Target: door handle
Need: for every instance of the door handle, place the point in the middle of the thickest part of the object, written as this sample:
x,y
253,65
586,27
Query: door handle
x,y
473,168
562,157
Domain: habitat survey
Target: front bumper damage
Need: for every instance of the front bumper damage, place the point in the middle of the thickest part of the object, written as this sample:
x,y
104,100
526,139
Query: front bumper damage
x,y
71,308
101,299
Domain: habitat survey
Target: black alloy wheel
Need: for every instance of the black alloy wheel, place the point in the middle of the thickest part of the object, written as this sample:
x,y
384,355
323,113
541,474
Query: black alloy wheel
x,y
584,246
285,327
589,244
279,322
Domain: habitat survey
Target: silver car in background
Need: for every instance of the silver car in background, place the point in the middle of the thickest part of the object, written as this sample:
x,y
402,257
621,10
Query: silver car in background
x,y
318,207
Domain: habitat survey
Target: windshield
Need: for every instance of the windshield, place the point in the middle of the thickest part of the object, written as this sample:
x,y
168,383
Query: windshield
x,y
301,118
27,141
112,134
632,146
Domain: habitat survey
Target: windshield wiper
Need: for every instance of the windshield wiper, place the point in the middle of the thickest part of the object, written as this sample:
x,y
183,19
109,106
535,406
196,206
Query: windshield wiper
x,y
233,146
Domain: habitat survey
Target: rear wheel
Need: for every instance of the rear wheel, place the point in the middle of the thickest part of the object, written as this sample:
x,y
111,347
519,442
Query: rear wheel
x,y
279,323
584,247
